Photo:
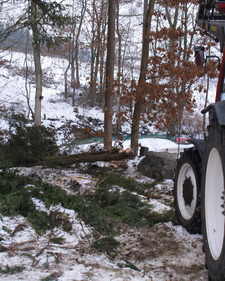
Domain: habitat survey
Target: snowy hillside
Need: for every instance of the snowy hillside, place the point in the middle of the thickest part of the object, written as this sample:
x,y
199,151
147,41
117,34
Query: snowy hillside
x,y
92,221
15,90
163,252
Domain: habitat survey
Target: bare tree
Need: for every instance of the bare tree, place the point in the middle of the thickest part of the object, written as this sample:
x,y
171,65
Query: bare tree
x,y
37,63
109,76
142,77
119,35
77,45
74,53
43,16
98,18
192,124
26,78
10,22
70,50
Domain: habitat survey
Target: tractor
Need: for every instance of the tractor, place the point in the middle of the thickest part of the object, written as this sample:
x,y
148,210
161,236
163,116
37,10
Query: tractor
x,y
199,183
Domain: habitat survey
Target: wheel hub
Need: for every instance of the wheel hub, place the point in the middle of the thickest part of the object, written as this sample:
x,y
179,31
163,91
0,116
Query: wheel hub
x,y
188,191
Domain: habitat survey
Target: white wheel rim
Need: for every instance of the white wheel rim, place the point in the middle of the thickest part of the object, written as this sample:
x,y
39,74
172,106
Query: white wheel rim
x,y
214,186
186,211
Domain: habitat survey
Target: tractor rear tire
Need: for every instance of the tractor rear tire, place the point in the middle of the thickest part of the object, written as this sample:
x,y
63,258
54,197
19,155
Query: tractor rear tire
x,y
212,196
187,188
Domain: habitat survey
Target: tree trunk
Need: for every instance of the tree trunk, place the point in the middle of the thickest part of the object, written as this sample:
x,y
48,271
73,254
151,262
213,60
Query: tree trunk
x,y
145,14
142,77
102,84
118,123
173,25
65,81
102,72
83,11
97,57
93,57
74,91
77,68
109,76
72,69
84,157
37,63
92,93
26,80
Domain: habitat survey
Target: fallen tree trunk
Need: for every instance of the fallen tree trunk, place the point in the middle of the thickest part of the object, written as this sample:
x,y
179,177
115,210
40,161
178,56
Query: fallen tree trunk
x,y
63,160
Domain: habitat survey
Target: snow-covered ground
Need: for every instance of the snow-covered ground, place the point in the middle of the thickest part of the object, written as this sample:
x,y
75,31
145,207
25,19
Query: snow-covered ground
x,y
162,252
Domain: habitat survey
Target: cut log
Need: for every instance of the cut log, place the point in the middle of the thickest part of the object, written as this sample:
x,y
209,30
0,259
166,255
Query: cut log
x,y
65,160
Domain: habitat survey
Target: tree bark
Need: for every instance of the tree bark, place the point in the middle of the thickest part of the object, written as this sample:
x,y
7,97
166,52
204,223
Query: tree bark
x,y
97,57
84,157
102,61
118,125
109,76
142,77
65,81
83,11
37,63
93,57
26,80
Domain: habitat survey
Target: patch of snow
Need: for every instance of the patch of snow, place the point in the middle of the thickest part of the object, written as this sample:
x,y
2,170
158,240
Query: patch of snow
x,y
157,206
75,258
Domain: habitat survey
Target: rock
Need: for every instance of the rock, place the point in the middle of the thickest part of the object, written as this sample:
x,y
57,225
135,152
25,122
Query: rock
x,y
158,165
143,150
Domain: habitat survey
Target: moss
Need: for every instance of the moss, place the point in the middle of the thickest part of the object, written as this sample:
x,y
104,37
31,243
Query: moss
x,y
6,230
106,244
16,195
11,270
17,199
57,240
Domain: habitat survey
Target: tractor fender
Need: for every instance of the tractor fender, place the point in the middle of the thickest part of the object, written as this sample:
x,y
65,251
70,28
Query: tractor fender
x,y
216,110
199,144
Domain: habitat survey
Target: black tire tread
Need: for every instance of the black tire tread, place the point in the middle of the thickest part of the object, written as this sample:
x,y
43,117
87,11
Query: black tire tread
x,y
216,269
194,225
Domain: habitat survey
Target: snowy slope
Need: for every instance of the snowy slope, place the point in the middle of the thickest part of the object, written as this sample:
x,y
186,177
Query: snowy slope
x,y
163,252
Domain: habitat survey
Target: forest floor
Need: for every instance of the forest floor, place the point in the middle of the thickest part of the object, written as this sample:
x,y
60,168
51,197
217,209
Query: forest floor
x,y
161,252
164,251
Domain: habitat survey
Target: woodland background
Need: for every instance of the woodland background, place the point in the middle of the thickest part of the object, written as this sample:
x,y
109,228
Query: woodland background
x,y
75,70
138,59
